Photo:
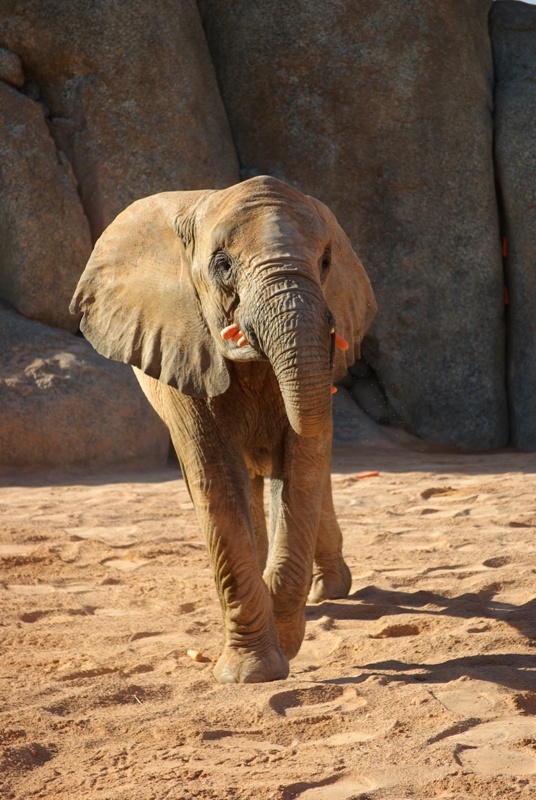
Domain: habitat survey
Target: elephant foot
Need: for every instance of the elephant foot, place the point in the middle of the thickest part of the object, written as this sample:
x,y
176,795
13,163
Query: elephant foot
x,y
291,631
331,580
241,665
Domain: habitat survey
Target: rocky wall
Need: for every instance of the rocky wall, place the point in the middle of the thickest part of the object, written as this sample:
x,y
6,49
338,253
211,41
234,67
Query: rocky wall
x,y
130,95
384,111
100,103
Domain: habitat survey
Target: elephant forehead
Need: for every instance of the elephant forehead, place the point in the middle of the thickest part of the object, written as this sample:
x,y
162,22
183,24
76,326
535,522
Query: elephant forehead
x,y
257,231
291,225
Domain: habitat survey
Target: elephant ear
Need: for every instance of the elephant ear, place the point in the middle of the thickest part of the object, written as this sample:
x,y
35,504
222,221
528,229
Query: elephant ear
x,y
348,293
138,302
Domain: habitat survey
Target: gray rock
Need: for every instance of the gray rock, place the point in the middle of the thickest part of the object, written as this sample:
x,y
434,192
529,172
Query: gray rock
x,y
132,95
44,235
360,369
352,425
63,405
383,111
11,68
513,32
369,395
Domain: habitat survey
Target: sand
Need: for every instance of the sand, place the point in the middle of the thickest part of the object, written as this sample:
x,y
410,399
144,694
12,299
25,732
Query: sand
x,y
420,685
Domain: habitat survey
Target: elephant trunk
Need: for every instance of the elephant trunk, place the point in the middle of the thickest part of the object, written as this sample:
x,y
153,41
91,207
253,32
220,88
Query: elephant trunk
x,y
293,330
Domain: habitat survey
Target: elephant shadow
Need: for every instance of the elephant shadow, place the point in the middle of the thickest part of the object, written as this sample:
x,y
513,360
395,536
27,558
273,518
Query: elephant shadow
x,y
514,670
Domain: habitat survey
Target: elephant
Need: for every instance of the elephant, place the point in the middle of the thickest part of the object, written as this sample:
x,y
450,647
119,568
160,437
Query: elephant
x,y
238,308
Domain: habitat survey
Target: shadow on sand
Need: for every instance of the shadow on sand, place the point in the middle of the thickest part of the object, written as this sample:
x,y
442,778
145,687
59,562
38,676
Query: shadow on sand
x,y
515,670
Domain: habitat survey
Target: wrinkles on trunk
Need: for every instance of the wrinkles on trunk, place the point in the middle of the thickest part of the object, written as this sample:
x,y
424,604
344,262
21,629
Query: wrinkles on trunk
x,y
292,326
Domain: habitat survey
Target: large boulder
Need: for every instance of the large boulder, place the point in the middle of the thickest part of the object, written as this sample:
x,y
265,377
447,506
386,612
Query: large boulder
x,y
44,235
383,111
131,96
352,425
513,33
63,405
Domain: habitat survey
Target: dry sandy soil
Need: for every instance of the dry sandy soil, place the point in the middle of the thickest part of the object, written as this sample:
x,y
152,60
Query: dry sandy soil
x,y
420,685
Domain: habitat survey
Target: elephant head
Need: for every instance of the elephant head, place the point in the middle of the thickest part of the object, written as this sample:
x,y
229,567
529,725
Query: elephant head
x,y
176,269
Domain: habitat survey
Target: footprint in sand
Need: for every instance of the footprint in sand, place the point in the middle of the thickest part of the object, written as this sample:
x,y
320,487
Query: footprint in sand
x,y
285,703
466,702
394,631
315,701
325,702
493,761
501,731
499,561
503,746
122,536
58,613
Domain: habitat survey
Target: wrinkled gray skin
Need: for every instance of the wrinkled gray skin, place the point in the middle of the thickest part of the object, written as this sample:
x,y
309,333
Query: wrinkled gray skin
x,y
165,278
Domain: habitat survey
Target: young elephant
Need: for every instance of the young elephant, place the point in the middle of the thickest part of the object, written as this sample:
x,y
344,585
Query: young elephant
x,y
229,304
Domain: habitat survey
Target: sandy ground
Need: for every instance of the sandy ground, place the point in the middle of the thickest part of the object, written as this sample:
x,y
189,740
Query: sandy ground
x,y
420,685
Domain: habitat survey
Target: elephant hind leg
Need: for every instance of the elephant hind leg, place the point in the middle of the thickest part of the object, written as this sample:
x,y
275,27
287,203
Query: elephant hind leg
x,y
259,520
331,576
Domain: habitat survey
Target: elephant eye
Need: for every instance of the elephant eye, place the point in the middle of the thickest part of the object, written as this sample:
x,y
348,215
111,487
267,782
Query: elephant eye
x,y
220,265
221,261
326,262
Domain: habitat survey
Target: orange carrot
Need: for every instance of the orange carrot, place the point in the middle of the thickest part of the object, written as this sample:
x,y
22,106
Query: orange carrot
x,y
341,343
229,331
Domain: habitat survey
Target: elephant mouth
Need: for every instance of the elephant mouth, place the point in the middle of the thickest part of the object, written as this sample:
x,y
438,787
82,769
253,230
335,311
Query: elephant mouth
x,y
253,341
250,351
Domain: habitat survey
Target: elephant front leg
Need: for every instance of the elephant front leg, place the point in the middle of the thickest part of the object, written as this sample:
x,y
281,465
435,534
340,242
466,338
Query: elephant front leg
x,y
220,489
251,652
331,576
295,508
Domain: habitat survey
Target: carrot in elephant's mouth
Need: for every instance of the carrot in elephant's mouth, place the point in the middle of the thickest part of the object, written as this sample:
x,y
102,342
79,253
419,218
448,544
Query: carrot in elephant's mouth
x,y
341,343
229,331
233,332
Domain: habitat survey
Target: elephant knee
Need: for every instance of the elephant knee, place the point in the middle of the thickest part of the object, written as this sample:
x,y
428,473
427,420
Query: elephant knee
x,y
289,583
